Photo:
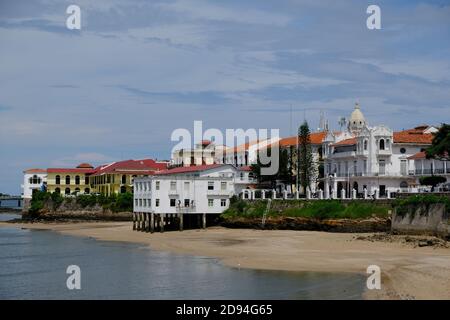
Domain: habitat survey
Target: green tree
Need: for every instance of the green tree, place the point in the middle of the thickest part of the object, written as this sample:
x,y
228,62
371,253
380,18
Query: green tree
x,y
440,147
305,158
432,181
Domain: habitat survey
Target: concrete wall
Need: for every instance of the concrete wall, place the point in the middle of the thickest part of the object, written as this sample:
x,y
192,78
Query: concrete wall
x,y
429,220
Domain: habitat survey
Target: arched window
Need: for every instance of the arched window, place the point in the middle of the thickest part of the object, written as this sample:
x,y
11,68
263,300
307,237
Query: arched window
x,y
77,179
365,144
381,144
57,179
67,179
77,190
57,190
403,184
124,179
87,190
67,191
86,180
123,189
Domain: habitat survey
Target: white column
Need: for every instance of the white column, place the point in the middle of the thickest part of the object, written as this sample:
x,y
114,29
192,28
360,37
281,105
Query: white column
x,y
263,194
320,194
308,194
274,194
285,194
365,193
342,193
353,193
297,194
388,193
326,189
377,193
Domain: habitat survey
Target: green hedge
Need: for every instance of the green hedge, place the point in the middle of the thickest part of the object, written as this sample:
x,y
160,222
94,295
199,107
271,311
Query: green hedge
x,y
404,205
317,209
115,203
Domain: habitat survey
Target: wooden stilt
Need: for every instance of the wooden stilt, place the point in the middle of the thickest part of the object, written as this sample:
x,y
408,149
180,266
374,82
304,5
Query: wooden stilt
x,y
181,222
161,222
152,222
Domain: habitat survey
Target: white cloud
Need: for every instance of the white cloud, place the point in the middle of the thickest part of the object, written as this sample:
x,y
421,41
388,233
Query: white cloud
x,y
205,10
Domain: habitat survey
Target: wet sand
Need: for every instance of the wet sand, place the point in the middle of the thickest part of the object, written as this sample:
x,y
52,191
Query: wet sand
x,y
407,272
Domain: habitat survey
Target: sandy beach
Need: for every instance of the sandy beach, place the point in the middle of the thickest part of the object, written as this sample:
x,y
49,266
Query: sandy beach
x,y
407,272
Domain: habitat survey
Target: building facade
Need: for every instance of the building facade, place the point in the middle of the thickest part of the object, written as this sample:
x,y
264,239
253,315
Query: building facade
x,y
375,160
117,177
70,181
33,179
190,190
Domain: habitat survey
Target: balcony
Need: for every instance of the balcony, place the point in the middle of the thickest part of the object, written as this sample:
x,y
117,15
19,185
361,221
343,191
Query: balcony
x,y
173,192
218,192
428,172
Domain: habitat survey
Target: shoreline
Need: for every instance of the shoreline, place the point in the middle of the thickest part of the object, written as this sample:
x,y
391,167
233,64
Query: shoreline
x,y
407,272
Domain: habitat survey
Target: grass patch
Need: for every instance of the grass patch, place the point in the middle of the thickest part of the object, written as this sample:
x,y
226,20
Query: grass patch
x,y
318,209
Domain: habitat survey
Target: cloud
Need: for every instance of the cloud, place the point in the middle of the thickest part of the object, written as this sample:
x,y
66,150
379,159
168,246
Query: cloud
x,y
205,10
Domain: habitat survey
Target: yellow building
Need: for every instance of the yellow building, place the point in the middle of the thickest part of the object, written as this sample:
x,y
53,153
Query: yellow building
x,y
70,180
117,177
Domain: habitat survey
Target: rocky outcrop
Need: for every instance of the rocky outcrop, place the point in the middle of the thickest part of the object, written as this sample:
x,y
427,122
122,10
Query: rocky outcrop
x,y
430,219
298,223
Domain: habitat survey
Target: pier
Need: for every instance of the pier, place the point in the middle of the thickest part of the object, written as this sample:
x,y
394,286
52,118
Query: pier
x,y
11,201
154,222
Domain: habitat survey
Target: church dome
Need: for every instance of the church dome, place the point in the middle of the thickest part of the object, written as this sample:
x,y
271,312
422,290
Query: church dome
x,y
357,120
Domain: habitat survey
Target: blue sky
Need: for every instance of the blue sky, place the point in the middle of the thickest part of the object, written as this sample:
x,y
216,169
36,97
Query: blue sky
x,y
137,70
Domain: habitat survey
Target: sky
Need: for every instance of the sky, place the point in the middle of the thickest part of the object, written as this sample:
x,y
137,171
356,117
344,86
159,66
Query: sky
x,y
138,70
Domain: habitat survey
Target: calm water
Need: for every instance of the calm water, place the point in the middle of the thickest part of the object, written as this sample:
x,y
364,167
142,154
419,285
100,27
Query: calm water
x,y
33,266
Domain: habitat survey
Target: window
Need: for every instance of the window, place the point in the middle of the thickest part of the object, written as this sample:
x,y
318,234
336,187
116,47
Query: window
x,y
172,202
157,184
382,165
223,202
58,179
403,167
77,190
210,185
140,202
381,144
124,179
186,186
136,202
67,191
403,184
402,150
210,202
365,144
223,186
365,166
58,190
186,202
77,179
67,179
86,180
173,185
157,203
242,176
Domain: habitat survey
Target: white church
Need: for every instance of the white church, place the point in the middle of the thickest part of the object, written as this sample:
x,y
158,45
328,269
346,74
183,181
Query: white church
x,y
376,161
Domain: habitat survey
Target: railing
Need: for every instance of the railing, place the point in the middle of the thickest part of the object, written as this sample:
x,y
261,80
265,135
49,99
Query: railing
x,y
218,192
428,171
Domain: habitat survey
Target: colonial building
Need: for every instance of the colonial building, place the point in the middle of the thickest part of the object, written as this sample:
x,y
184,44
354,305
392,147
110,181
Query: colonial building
x,y
70,180
375,159
205,189
117,177
33,179
204,153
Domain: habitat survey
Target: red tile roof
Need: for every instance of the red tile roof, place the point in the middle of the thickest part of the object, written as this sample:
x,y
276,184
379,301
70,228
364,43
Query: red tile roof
x,y
189,169
144,166
70,170
316,138
415,135
418,155
85,165
346,142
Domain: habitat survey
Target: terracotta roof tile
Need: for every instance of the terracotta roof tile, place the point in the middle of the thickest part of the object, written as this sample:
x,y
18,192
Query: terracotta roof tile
x,y
189,169
413,136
